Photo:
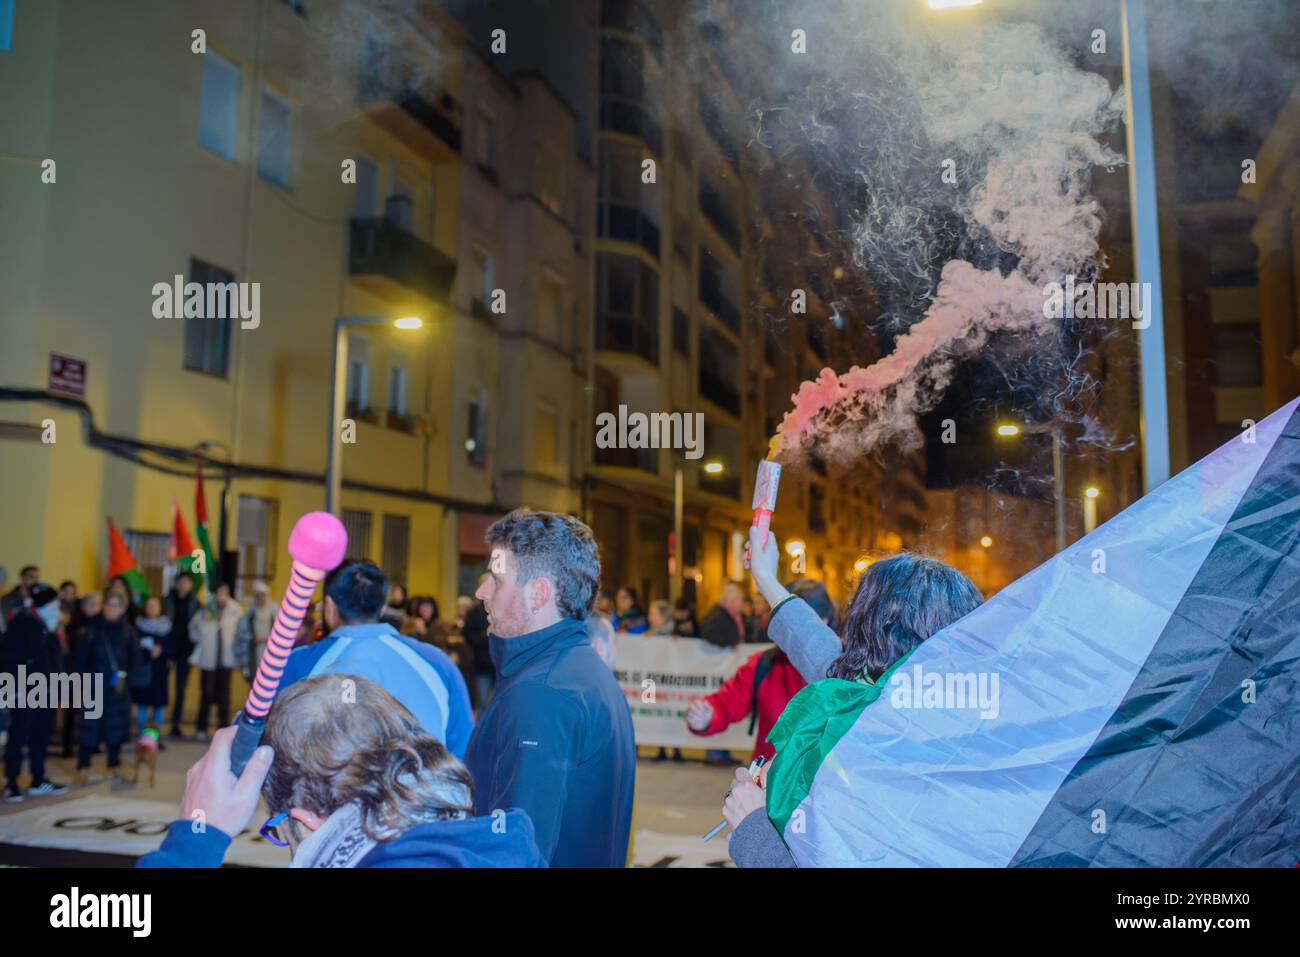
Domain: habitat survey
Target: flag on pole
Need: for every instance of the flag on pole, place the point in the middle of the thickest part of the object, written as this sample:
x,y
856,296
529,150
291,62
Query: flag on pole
x,y
181,547
1131,702
122,562
205,541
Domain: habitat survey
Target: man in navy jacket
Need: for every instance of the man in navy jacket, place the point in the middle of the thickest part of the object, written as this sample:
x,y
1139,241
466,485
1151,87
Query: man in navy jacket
x,y
557,738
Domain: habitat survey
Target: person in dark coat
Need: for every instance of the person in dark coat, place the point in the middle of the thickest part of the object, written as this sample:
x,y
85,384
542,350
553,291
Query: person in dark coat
x,y
30,647
86,609
109,653
180,605
356,782
556,739
475,632
151,698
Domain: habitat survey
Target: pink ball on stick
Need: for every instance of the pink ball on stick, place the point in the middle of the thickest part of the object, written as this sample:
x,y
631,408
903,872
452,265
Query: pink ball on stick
x,y
318,540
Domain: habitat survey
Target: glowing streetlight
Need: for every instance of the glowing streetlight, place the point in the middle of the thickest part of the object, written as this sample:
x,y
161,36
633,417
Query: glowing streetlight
x,y
1092,491
713,468
409,322
794,547
862,564
986,541
1090,508
1008,430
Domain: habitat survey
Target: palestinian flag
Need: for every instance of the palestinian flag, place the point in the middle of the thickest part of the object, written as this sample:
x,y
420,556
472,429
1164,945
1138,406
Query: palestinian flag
x,y
122,562
181,547
1139,700
205,541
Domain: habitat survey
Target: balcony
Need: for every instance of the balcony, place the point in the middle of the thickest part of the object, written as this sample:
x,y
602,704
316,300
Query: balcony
x,y
633,335
618,221
412,110
716,301
717,130
621,115
717,390
629,16
390,261
715,212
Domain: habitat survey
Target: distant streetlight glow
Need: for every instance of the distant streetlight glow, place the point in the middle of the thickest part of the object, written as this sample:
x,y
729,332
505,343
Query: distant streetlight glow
x,y
1008,430
1092,491
409,322
986,541
794,547
713,468
862,564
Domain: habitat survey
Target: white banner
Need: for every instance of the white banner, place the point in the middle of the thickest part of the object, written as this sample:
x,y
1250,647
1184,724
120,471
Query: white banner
x,y
108,824
661,676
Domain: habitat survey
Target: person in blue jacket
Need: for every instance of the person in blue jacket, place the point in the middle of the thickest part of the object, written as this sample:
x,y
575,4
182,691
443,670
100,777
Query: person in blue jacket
x,y
556,740
352,780
420,676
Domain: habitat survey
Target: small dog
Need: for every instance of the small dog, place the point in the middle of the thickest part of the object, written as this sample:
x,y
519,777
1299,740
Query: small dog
x,y
146,752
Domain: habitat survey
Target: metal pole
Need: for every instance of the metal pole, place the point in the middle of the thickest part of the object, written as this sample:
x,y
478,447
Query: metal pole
x,y
675,584
1058,476
1146,244
338,400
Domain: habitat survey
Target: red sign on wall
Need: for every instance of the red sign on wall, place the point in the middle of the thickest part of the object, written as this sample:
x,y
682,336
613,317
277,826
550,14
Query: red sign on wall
x,y
67,375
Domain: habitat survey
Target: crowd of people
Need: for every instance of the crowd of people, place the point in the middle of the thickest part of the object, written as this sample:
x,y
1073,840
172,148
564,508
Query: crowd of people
x,y
498,738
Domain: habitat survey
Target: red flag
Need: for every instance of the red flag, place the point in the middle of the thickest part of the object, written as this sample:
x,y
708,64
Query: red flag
x,y
181,545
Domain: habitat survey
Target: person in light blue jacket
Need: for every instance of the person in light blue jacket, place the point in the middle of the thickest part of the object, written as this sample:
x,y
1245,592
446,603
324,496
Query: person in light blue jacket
x,y
417,674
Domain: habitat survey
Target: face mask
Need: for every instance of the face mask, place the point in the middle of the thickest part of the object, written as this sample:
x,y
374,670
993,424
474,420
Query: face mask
x,y
49,614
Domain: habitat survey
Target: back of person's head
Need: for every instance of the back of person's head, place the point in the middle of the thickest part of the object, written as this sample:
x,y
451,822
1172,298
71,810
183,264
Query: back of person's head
x,y
815,594
899,602
358,589
553,546
342,739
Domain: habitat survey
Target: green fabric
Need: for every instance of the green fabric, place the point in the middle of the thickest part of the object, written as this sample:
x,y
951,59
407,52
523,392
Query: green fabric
x,y
807,731
136,583
205,543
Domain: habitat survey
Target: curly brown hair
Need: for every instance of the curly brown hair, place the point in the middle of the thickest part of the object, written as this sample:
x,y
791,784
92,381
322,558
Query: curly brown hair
x,y
341,739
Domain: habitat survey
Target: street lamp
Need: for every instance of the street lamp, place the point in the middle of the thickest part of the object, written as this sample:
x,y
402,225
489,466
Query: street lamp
x,y
679,495
1090,508
986,541
338,397
1010,429
862,564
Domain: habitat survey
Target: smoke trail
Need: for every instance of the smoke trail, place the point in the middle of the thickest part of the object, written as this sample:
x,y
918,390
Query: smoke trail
x,y
1020,123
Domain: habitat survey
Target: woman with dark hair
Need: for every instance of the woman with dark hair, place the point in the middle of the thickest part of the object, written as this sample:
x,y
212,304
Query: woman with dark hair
x,y
629,618
899,603
352,780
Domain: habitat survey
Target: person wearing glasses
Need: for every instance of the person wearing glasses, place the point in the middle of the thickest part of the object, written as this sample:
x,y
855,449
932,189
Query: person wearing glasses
x,y
351,780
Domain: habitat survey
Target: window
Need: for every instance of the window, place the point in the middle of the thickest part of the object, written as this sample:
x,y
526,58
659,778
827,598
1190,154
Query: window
x,y
6,24
486,154
400,207
219,105
476,431
549,174
357,525
546,435
550,309
150,551
207,339
366,206
397,547
274,138
255,539
681,332
480,278
358,385
397,390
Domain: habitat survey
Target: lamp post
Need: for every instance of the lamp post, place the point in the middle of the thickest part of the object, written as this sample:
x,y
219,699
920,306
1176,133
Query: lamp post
x,y
338,397
679,494
1090,508
1008,430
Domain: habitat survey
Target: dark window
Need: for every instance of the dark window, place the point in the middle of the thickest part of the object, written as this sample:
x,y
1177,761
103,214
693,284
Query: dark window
x,y
397,544
207,339
358,528
681,332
